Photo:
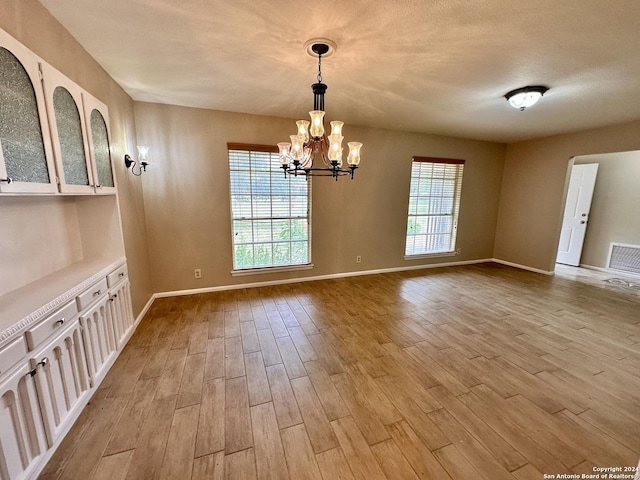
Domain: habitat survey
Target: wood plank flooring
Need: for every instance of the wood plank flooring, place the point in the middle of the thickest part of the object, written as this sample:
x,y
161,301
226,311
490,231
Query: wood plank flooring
x,y
478,372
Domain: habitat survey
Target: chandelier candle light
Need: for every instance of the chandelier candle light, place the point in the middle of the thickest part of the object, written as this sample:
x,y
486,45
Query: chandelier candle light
x,y
311,142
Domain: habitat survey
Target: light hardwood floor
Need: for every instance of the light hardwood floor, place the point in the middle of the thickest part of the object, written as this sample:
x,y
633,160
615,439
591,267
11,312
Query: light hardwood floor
x,y
479,372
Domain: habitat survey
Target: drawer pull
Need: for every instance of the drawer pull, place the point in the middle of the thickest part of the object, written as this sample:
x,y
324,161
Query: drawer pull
x,y
121,274
97,292
60,322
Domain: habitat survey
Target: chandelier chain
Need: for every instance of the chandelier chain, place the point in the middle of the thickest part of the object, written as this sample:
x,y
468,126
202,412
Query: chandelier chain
x,y
319,68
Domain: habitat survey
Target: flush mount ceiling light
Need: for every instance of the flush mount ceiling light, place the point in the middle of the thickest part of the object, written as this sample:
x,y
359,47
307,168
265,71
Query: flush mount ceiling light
x,y
525,97
311,143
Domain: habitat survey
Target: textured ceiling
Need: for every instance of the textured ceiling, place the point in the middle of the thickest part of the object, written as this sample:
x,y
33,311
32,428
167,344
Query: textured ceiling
x,y
434,66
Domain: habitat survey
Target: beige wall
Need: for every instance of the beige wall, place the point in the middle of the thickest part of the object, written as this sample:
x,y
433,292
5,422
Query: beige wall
x,y
31,24
615,209
186,195
533,190
185,205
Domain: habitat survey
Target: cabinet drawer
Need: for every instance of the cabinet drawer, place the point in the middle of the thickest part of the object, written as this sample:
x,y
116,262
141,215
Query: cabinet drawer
x,y
52,324
12,354
117,276
92,293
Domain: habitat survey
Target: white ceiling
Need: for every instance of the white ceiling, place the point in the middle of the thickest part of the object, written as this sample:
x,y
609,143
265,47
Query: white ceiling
x,y
434,66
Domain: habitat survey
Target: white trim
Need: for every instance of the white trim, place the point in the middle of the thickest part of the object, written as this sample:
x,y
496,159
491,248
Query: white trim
x,y
262,270
318,277
144,311
523,267
610,271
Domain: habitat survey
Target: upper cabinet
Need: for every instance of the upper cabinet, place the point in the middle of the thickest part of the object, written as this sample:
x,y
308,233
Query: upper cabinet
x,y
54,135
96,117
26,159
68,131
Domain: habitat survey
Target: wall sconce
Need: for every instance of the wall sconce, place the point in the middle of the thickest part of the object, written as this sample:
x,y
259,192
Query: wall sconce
x,y
143,156
525,97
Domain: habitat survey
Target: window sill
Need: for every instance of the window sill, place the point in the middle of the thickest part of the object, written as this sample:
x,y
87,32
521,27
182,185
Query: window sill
x,y
261,270
430,255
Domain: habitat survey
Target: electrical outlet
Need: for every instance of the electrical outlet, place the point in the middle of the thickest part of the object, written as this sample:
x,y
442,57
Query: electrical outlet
x,y
358,259
197,273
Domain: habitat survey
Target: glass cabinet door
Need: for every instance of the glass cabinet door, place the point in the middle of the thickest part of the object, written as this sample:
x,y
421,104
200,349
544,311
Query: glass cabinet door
x,y
96,117
26,160
68,132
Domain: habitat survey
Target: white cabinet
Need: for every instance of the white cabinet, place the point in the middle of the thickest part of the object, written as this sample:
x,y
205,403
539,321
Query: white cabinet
x,y
26,158
60,372
99,338
68,132
53,134
49,372
54,140
120,305
22,438
96,117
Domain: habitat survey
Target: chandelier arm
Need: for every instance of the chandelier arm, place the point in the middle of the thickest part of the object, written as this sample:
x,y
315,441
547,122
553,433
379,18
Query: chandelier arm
x,y
324,148
318,172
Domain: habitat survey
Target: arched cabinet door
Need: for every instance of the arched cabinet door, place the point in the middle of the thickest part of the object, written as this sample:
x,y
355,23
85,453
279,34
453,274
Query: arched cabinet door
x,y
96,117
62,382
68,132
22,439
26,159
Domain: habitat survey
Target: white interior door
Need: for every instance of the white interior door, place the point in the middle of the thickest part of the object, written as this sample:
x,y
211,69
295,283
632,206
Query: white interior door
x,y
576,213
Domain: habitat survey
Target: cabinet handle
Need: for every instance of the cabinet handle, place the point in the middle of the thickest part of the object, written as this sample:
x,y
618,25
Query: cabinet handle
x,y
98,185
60,322
121,274
6,180
113,297
44,362
96,293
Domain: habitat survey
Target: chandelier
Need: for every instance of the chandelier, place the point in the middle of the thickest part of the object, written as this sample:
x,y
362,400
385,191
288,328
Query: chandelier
x,y
311,144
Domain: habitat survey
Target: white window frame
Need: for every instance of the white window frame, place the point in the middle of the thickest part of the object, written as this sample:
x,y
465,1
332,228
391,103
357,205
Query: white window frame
x,y
249,150
441,201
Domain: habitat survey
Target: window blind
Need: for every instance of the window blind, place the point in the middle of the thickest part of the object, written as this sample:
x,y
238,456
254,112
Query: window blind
x,y
269,213
434,200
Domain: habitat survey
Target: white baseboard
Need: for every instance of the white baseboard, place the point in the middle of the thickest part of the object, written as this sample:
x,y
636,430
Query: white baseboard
x,y
610,271
523,267
318,277
221,288
144,310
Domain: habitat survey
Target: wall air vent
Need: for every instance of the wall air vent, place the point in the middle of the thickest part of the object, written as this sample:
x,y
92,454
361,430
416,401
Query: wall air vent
x,y
625,258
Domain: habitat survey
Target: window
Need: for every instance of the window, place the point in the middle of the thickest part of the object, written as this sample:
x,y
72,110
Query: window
x,y
269,213
434,200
